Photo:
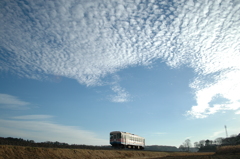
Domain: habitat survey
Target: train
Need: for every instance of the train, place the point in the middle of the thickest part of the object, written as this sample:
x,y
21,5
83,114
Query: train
x,y
120,139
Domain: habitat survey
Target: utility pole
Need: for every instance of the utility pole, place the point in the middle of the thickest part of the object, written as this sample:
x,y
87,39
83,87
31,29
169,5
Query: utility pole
x,y
226,131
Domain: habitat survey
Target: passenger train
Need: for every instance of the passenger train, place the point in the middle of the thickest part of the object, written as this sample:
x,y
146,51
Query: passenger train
x,y
119,139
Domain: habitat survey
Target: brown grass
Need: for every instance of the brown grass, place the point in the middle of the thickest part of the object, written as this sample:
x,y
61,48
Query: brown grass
x,y
235,149
21,152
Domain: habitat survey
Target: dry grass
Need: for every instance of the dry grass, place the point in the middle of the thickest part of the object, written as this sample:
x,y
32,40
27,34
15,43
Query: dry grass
x,y
21,152
235,149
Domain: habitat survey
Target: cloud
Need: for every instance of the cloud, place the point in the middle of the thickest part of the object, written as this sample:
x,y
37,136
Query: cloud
x,y
237,112
218,134
33,117
121,95
227,86
222,133
41,131
12,102
87,41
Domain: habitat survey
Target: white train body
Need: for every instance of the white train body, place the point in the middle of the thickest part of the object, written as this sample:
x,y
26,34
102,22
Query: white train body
x,y
126,140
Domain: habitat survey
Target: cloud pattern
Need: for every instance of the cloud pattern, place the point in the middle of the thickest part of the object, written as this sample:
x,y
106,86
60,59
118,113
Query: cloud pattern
x,y
42,130
11,102
87,40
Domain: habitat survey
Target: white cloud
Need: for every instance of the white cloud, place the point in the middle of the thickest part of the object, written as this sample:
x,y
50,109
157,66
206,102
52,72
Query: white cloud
x,y
87,41
217,134
222,133
33,117
227,85
237,112
41,131
12,102
121,94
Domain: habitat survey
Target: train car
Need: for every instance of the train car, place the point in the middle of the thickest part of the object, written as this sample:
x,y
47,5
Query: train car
x,y
119,139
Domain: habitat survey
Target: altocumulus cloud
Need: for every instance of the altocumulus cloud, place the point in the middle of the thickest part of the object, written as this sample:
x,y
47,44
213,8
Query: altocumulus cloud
x,y
88,40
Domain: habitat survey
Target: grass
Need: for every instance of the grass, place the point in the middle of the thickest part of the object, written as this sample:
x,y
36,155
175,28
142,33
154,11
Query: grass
x,y
235,149
21,152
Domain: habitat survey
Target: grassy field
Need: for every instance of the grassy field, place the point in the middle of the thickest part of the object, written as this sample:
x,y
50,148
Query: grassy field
x,y
21,152
229,150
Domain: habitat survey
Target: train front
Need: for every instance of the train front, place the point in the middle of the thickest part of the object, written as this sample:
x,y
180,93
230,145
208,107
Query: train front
x,y
115,138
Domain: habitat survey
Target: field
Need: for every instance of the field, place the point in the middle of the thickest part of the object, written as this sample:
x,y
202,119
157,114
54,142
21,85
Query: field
x,y
21,152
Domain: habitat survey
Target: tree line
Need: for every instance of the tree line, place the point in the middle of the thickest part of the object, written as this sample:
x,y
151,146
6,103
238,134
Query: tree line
x,y
48,144
210,145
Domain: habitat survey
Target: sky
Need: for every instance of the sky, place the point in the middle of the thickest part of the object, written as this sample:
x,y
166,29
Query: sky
x,y
74,70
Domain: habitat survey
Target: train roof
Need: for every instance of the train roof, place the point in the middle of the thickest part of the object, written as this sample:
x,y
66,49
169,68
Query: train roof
x,y
125,133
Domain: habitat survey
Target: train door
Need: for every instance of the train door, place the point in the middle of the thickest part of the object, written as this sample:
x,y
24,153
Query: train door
x,y
124,139
114,137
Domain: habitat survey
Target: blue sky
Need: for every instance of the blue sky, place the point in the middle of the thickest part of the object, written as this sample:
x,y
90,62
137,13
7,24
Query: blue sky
x,y
72,71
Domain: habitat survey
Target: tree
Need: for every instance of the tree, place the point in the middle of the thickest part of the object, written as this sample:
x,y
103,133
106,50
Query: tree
x,y
181,147
218,141
202,143
234,135
187,144
208,142
196,145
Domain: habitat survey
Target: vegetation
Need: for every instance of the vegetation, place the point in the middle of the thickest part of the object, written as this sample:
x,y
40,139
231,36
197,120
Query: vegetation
x,y
234,149
162,148
47,144
20,148
25,152
186,145
210,145
17,148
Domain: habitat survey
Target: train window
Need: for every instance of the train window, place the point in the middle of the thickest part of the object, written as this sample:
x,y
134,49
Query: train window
x,y
111,136
118,136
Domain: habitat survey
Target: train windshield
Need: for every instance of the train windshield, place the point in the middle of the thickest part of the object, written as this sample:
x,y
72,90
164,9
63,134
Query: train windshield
x,y
111,136
119,136
115,136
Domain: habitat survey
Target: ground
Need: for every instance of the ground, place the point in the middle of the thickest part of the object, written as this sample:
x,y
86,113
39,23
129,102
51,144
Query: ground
x,y
21,152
